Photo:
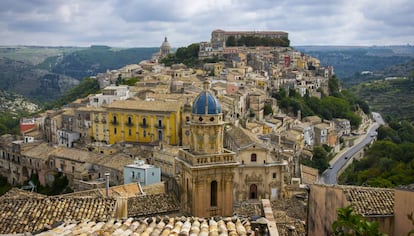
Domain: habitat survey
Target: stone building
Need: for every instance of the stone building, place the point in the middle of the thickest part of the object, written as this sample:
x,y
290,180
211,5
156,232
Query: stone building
x,y
219,37
205,170
260,174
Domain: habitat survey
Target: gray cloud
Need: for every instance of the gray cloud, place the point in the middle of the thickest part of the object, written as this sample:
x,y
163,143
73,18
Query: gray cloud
x,y
138,23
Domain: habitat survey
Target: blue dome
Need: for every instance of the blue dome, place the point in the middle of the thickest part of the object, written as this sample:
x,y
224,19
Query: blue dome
x,y
206,101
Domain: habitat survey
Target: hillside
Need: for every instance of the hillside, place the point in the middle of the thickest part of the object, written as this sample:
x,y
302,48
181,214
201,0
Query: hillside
x,y
43,74
350,61
392,98
389,91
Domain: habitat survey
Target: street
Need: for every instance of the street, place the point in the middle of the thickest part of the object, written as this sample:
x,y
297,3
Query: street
x,y
329,176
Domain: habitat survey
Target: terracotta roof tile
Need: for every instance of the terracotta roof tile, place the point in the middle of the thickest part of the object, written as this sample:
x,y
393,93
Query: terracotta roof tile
x,y
146,205
31,214
157,226
371,201
16,193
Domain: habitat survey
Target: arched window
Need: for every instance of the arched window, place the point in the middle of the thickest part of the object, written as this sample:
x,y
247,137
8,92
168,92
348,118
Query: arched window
x,y
213,193
129,120
114,120
253,157
144,122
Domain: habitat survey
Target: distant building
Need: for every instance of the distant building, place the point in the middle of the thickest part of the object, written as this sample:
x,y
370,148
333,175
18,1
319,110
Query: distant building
x,y
142,173
27,125
143,121
109,94
219,37
164,50
66,138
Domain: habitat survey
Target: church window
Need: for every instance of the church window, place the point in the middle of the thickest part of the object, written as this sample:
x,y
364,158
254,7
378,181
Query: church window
x,y
213,194
253,157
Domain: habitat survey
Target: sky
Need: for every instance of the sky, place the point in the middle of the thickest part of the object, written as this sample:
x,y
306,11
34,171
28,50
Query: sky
x,y
139,23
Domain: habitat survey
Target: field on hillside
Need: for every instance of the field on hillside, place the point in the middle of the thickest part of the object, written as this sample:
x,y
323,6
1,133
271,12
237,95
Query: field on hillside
x,y
392,98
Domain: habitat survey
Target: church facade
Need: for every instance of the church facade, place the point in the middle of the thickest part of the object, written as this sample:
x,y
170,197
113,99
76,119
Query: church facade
x,y
211,178
205,170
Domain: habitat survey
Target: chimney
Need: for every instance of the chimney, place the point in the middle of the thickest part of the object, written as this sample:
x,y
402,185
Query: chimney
x,y
107,174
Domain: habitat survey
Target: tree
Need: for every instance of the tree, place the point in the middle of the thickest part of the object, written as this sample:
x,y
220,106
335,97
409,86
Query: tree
x,y
333,85
231,41
349,223
268,109
320,159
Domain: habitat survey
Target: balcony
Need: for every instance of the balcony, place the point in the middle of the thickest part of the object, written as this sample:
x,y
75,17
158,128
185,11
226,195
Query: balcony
x,y
103,121
96,120
157,126
130,124
143,125
209,159
114,122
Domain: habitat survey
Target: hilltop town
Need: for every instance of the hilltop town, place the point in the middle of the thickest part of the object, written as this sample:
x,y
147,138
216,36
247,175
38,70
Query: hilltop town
x,y
190,142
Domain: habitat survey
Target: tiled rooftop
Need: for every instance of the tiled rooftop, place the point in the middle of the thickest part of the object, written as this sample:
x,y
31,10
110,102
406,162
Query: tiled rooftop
x,y
239,137
116,161
16,193
31,214
146,205
156,226
136,104
370,201
125,190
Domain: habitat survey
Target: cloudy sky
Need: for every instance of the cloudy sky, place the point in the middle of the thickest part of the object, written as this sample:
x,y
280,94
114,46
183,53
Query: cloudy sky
x,y
139,23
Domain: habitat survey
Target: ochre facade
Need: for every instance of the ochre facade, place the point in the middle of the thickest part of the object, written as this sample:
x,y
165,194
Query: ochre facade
x,y
205,170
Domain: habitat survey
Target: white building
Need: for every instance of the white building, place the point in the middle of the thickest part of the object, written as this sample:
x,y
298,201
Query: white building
x,y
110,94
143,173
66,138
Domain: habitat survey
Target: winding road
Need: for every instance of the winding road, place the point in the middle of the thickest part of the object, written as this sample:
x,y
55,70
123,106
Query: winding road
x,y
329,176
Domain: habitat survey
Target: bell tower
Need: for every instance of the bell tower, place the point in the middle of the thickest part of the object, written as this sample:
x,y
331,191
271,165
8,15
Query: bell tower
x,y
205,169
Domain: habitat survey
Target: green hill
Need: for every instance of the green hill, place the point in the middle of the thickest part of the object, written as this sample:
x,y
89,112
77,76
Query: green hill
x,y
393,98
350,61
96,59
43,74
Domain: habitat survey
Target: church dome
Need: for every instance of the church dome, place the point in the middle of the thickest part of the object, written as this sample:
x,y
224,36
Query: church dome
x,y
166,45
206,103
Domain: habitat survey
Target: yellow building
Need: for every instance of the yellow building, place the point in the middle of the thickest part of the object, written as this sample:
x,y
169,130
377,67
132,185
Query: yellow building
x,y
214,68
141,121
98,130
